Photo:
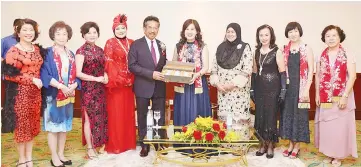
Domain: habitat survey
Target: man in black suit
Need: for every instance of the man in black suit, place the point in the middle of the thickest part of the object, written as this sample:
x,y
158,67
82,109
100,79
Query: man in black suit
x,y
146,59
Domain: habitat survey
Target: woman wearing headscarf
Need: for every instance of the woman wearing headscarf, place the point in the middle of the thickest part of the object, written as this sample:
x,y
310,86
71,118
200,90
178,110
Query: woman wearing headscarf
x,y
230,74
120,97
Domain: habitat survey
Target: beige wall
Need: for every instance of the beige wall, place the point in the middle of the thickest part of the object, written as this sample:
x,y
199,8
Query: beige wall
x,y
212,16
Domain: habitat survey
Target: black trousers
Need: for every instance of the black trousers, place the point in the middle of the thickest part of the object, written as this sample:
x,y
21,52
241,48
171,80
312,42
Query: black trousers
x,y
142,110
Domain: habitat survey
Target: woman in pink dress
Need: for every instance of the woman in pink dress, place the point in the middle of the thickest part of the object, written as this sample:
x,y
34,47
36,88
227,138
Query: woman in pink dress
x,y
335,125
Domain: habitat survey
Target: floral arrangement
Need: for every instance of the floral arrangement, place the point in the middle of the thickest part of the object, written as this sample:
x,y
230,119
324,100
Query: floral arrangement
x,y
205,130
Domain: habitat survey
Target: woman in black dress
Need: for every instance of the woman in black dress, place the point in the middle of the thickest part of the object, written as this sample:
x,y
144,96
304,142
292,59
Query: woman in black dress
x,y
294,124
268,87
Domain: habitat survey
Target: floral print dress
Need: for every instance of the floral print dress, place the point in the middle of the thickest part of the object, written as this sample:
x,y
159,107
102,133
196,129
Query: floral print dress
x,y
26,104
93,98
238,99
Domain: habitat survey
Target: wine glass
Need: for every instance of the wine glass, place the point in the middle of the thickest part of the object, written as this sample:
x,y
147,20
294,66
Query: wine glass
x,y
156,117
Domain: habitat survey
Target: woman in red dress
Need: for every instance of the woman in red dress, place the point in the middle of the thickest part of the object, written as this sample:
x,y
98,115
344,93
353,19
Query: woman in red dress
x,y
120,97
22,108
90,63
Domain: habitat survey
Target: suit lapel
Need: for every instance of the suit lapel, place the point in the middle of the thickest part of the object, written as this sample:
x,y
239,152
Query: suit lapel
x,y
159,48
161,57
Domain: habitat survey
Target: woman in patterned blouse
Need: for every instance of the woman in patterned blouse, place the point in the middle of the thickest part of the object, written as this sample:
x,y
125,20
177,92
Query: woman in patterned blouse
x,y
23,93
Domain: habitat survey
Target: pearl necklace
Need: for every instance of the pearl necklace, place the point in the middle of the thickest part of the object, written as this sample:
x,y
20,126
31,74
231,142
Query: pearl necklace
x,y
27,50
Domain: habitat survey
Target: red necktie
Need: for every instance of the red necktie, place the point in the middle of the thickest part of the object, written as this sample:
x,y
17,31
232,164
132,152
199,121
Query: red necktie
x,y
153,53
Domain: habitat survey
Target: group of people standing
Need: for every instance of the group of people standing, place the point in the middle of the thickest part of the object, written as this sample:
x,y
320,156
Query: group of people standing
x,y
44,80
281,81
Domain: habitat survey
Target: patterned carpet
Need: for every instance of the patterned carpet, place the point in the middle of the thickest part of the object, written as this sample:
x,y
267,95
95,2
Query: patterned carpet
x,y
76,152
131,159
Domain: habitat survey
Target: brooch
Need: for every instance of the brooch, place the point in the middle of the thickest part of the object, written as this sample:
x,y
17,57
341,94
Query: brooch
x,y
239,46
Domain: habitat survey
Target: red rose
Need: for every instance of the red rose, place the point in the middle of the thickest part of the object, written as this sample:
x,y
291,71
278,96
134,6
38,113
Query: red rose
x,y
209,136
224,125
222,134
216,127
184,129
163,53
197,135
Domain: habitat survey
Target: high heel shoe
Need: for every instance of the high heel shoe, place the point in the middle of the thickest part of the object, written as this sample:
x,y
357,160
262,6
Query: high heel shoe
x,y
294,155
52,164
286,153
336,163
259,153
269,156
102,150
18,163
270,149
93,156
68,162
28,162
327,160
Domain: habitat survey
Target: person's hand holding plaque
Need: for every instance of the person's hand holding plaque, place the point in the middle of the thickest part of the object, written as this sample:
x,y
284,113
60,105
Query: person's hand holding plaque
x,y
158,76
195,76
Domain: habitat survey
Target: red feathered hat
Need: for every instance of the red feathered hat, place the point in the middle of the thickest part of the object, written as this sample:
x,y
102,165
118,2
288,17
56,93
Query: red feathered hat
x,y
119,19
